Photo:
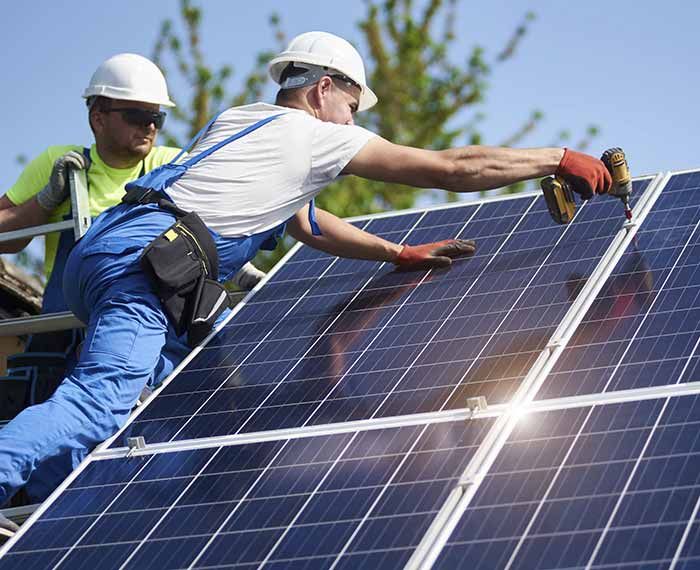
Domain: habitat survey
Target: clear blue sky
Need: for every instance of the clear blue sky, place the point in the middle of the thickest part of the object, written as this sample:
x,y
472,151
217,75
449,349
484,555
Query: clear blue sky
x,y
627,66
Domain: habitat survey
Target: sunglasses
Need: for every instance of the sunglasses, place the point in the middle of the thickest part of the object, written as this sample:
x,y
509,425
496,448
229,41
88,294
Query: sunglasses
x,y
140,117
346,79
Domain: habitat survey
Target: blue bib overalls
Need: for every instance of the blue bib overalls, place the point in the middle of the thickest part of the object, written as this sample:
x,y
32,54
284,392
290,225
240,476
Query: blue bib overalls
x,y
127,337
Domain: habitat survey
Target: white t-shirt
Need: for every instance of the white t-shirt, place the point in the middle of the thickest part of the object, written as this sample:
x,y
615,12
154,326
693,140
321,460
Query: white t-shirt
x,y
262,179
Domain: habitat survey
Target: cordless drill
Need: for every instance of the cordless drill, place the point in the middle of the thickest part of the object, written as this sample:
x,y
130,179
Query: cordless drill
x,y
560,198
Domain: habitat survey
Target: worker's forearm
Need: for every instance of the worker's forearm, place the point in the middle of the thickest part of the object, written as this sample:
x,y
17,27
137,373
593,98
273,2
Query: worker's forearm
x,y
19,217
478,168
343,239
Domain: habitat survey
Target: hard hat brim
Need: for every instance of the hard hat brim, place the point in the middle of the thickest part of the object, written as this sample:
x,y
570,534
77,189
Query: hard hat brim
x,y
111,93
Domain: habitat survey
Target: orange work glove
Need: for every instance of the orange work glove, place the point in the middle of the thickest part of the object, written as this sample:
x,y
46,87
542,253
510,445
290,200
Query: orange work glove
x,y
433,255
585,174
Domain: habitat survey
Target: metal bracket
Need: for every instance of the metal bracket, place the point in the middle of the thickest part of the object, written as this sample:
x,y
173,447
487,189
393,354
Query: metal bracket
x,y
135,444
477,404
470,479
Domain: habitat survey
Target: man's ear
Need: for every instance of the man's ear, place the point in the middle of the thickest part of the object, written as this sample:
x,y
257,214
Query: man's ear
x,y
324,87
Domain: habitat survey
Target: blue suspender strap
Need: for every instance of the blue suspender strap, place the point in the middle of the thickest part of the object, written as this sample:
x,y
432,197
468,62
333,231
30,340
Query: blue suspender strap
x,y
195,159
315,229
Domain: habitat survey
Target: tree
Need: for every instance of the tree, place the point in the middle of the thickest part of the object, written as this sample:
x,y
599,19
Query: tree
x,y
423,94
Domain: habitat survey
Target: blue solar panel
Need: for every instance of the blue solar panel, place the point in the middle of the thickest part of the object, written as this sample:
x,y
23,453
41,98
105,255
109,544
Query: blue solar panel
x,y
329,340
359,500
646,321
615,486
364,341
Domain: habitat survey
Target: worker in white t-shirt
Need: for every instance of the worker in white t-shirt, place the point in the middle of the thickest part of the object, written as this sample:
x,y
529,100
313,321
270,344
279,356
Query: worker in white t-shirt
x,y
145,268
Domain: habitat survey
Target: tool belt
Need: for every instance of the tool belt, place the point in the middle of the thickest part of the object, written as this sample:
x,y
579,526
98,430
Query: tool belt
x,y
183,266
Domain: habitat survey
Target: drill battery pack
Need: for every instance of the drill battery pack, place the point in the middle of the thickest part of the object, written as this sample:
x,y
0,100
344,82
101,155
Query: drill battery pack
x,y
559,199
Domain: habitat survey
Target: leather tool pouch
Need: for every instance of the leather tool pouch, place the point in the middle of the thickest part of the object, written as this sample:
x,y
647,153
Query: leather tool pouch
x,y
182,264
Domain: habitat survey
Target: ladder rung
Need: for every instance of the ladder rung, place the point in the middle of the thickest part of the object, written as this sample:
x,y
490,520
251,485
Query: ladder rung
x,y
40,323
37,230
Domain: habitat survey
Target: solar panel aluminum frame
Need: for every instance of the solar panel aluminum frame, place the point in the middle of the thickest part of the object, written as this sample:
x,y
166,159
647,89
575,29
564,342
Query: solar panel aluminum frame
x,y
447,519
388,422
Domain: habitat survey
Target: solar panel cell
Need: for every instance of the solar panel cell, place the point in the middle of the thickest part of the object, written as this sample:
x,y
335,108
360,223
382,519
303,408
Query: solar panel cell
x,y
325,361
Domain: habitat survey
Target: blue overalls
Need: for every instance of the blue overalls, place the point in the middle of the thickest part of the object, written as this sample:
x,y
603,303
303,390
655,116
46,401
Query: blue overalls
x,y
126,335
56,352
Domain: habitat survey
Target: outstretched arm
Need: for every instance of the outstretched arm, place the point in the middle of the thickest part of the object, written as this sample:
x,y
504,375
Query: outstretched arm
x,y
472,168
341,238
345,240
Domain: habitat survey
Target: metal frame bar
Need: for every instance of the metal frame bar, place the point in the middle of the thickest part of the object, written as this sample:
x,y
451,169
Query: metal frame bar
x,y
461,414
40,324
408,420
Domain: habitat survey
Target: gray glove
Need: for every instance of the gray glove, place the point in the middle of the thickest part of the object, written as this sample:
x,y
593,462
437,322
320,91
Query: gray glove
x,y
248,277
57,190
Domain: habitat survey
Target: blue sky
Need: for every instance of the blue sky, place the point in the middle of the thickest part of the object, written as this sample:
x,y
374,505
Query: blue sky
x,y
625,66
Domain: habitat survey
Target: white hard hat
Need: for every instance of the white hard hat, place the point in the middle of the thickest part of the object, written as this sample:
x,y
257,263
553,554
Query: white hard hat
x,y
131,77
329,51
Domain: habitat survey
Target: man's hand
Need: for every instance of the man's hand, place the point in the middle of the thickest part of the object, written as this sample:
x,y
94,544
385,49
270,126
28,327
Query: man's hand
x,y
57,190
586,175
433,255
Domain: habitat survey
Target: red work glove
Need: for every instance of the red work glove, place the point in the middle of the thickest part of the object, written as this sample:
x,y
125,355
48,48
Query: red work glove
x,y
433,255
586,175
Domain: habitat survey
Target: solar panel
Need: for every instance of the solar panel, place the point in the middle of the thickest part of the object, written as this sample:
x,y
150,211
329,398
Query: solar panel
x,y
613,486
646,321
318,428
364,341
350,500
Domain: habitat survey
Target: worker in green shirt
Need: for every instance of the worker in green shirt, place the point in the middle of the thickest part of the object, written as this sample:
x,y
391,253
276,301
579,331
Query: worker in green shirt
x,y
124,100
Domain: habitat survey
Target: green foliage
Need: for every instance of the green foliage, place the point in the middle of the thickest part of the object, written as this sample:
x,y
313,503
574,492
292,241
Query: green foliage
x,y
208,87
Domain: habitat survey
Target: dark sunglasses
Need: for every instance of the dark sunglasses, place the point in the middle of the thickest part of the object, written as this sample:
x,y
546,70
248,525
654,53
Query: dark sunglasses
x,y
346,79
140,117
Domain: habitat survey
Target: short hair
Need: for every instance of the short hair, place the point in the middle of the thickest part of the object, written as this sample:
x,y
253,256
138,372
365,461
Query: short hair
x,y
290,93
97,103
